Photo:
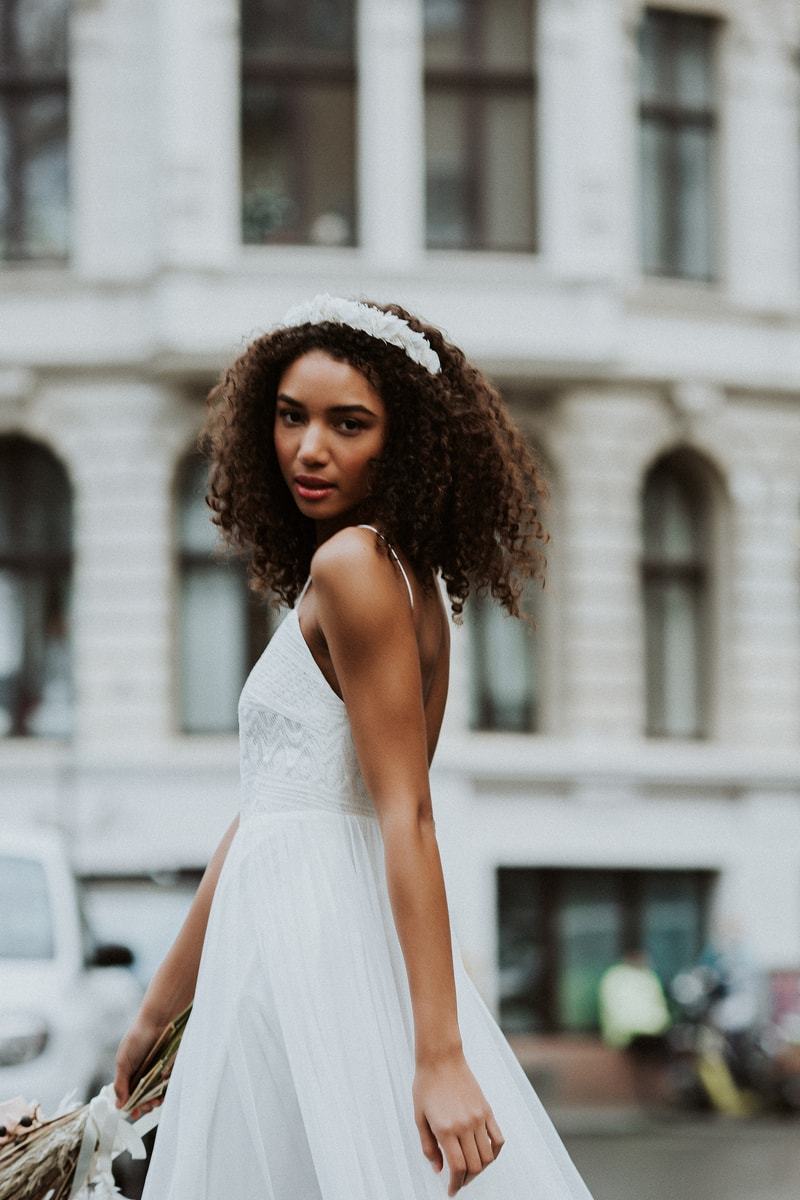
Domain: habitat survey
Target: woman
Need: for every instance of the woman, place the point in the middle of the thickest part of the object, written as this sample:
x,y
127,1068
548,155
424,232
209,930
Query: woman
x,y
335,1040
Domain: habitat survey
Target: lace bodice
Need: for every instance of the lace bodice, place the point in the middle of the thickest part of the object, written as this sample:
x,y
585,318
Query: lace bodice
x,y
296,748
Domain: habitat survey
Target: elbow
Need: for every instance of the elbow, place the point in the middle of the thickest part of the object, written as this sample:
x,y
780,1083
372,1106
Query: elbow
x,y
408,820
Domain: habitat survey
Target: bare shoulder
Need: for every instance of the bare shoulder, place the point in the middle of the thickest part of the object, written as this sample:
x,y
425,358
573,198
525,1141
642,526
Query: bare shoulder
x,y
355,582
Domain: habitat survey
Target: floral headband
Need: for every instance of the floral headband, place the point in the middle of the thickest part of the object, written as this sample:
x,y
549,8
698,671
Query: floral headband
x,y
374,321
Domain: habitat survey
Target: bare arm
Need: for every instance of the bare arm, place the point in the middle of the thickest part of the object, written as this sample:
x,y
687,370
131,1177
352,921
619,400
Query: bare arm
x,y
173,985
366,620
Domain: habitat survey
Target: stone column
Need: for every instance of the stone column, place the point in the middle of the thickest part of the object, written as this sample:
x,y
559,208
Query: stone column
x,y
759,195
119,443
764,698
596,440
112,167
391,133
198,187
580,64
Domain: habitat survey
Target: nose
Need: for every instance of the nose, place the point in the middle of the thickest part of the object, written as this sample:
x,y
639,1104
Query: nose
x,y
312,445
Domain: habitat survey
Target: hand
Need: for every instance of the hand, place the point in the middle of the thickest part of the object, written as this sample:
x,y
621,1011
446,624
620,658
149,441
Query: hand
x,y
451,1109
131,1052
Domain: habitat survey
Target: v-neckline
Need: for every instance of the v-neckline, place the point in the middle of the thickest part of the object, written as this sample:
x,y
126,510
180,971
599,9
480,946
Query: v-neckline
x,y
296,612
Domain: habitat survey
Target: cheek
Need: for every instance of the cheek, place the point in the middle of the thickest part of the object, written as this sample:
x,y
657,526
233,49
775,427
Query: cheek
x,y
362,454
283,443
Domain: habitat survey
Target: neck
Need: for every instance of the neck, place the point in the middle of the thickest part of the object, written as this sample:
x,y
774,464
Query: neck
x,y
330,525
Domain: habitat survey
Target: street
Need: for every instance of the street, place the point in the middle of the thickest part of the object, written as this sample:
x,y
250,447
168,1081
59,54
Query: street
x,y
705,1159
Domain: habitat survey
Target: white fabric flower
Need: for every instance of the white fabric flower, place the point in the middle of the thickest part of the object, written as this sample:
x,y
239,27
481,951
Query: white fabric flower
x,y
374,321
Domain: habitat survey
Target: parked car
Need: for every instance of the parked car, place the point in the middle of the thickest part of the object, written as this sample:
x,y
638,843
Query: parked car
x,y
66,998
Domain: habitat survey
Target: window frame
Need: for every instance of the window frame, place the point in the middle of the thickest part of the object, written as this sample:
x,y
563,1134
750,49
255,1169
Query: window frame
x,y
50,565
473,82
629,886
481,693
289,79
696,574
676,116
17,85
252,613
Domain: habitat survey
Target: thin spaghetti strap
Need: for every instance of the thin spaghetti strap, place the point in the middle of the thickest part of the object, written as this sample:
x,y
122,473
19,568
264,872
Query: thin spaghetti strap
x,y
302,591
396,558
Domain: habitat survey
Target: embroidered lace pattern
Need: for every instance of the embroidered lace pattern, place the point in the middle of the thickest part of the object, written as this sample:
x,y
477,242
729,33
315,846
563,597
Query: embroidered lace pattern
x,y
296,747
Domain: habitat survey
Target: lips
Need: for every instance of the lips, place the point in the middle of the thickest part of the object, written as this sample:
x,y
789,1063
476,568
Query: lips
x,y
312,487
313,481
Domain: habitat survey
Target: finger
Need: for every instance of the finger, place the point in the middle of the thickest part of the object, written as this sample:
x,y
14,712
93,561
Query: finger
x,y
121,1085
494,1133
430,1147
451,1147
472,1156
485,1148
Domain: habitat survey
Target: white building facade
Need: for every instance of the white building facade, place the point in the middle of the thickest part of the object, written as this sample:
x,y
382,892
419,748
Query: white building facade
x,y
600,202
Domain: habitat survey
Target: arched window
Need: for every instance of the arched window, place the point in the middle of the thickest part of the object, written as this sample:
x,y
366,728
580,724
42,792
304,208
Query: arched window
x,y
35,580
676,513
505,691
223,628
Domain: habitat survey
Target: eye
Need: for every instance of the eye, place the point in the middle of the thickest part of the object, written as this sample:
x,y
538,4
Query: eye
x,y
288,412
354,425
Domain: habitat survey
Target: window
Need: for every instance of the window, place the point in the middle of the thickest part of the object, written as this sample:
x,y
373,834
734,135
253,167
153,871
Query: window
x,y
677,143
504,664
33,129
561,928
298,122
35,591
223,628
676,583
480,90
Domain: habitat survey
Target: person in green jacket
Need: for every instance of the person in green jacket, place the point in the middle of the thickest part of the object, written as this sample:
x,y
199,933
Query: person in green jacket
x,y
634,1015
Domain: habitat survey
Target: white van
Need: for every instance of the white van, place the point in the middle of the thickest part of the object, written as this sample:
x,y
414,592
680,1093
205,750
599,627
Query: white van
x,y
65,999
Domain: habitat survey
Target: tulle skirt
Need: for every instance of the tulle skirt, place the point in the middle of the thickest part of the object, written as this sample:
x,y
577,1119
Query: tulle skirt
x,y
293,1080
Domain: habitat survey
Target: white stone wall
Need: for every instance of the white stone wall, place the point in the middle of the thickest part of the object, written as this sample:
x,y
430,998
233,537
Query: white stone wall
x,y
106,360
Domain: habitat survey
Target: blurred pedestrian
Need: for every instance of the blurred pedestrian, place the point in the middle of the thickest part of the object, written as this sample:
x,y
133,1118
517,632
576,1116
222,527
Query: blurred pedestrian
x,y
635,1017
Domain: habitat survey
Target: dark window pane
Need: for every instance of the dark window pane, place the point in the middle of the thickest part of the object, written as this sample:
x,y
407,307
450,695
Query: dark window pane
x,y
33,130
479,170
503,669
35,36
676,145
561,928
449,219
674,654
479,124
298,123
213,647
672,926
676,533
674,516
461,33
36,695
298,165
223,628
318,30
695,250
35,508
522,937
589,937
26,930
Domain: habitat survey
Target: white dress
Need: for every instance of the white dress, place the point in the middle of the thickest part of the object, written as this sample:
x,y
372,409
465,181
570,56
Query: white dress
x,y
293,1080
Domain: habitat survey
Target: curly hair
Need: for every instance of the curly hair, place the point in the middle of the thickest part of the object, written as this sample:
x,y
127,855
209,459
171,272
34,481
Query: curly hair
x,y
456,487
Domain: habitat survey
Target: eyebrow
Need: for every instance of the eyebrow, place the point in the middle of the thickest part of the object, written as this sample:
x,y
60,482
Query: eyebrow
x,y
334,407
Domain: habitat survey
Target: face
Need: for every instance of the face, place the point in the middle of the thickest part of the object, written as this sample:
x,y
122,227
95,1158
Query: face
x,y
329,424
